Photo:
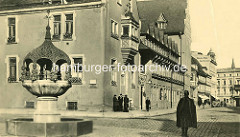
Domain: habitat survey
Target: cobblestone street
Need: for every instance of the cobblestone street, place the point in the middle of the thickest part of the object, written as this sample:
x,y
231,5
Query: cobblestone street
x,y
215,122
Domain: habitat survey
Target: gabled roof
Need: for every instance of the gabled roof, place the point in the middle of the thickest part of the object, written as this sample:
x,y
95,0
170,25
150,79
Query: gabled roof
x,y
174,13
200,70
161,18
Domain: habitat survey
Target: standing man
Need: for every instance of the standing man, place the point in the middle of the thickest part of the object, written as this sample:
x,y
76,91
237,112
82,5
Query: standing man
x,y
115,103
186,114
120,101
126,101
148,104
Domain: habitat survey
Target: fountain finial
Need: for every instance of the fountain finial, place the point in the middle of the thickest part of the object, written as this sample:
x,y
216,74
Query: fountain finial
x,y
48,34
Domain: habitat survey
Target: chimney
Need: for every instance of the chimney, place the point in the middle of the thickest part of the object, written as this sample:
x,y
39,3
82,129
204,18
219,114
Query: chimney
x,y
151,30
233,64
165,39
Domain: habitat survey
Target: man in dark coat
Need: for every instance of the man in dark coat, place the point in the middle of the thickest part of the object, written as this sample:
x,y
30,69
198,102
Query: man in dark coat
x,y
115,103
120,101
126,101
148,104
186,114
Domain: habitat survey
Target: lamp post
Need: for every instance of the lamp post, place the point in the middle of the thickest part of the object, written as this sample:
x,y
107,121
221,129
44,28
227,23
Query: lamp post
x,y
142,78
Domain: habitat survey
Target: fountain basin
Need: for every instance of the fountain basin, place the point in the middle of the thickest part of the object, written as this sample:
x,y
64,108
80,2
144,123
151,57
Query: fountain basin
x,y
66,127
48,88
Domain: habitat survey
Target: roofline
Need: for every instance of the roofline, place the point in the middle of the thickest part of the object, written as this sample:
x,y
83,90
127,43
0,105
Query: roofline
x,y
7,12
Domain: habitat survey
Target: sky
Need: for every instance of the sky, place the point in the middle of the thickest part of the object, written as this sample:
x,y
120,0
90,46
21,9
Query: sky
x,y
216,24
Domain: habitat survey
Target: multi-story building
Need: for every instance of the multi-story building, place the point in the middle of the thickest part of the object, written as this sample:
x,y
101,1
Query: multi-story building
x,y
92,32
228,85
209,64
164,37
199,87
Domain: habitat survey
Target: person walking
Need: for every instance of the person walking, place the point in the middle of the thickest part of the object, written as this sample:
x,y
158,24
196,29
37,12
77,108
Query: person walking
x,y
120,101
186,114
148,104
126,105
115,103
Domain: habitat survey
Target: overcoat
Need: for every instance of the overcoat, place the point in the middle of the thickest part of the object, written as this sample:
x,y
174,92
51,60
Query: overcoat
x,y
186,113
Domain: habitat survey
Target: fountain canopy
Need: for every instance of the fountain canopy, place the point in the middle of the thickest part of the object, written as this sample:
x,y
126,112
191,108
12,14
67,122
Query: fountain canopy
x,y
41,74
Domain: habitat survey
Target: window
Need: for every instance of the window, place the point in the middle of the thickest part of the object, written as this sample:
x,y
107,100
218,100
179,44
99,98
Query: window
x,y
125,30
78,62
76,69
191,77
69,26
114,29
230,75
224,82
11,30
161,94
57,26
230,82
113,72
29,104
12,69
218,91
133,77
72,106
224,75
224,91
218,82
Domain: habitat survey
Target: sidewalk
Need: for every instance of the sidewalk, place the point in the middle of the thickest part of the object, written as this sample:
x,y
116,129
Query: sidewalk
x,y
108,114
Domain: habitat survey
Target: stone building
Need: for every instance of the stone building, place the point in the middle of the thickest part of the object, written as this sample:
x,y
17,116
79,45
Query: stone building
x,y
228,85
92,32
89,31
164,36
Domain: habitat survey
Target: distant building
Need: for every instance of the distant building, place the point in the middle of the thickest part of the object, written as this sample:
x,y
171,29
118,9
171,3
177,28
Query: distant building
x,y
228,86
200,89
209,64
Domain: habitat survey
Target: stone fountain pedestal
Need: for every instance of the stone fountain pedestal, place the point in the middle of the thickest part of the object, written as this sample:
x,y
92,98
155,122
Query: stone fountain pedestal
x,y
47,121
46,111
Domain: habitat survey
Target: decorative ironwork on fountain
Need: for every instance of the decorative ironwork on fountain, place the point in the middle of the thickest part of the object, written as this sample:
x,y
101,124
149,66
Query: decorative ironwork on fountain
x,y
41,79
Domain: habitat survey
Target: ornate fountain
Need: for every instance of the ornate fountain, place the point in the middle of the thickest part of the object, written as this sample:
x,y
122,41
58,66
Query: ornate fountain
x,y
47,83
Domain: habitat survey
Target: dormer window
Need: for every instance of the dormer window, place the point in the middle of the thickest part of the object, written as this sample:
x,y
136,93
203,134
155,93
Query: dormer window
x,y
162,22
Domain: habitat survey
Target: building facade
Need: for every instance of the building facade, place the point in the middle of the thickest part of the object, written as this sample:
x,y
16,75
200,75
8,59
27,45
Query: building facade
x,y
91,32
200,88
164,36
209,64
228,81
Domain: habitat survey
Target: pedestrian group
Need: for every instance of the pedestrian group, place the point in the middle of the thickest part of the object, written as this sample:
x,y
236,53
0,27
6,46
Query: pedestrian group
x,y
121,103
